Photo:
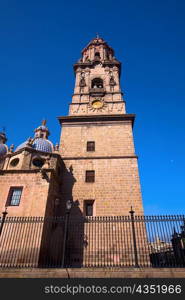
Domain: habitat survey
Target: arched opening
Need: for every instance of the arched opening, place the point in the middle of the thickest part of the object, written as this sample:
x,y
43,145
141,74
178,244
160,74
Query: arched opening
x,y
97,83
97,54
38,162
14,162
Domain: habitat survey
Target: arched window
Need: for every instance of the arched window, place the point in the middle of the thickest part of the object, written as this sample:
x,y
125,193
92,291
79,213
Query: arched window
x,y
97,54
97,83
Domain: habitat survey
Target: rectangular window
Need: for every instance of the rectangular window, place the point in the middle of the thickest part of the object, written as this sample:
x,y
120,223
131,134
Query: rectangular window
x,y
90,176
88,207
14,196
90,146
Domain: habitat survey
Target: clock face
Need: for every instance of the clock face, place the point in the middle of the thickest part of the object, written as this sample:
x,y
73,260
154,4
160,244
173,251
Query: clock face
x,y
97,104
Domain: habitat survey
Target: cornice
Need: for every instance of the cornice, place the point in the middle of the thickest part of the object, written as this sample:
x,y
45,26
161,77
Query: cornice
x,y
2,172
99,157
31,150
97,118
78,103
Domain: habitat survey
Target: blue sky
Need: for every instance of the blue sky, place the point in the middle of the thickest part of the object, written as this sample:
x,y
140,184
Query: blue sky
x,y
41,40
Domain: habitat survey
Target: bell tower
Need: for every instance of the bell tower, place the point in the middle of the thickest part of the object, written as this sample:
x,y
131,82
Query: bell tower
x,y
96,145
97,85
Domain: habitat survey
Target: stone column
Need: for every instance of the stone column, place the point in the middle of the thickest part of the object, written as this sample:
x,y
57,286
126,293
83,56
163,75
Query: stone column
x,y
101,53
116,78
87,79
107,78
77,82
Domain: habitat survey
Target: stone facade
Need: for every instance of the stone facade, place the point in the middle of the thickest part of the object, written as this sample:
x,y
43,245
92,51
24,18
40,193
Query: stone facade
x,y
114,192
35,190
37,174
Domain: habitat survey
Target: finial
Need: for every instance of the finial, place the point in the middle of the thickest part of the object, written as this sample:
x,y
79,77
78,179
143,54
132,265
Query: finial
x,y
11,148
97,35
4,213
29,142
57,147
131,211
44,122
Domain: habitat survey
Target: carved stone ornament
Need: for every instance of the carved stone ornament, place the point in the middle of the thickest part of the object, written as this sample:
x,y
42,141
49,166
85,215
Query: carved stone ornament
x,y
82,82
46,164
107,69
115,68
112,82
78,69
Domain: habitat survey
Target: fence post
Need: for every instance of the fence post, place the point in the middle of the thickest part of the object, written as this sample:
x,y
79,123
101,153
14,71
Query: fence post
x,y
4,213
68,208
134,237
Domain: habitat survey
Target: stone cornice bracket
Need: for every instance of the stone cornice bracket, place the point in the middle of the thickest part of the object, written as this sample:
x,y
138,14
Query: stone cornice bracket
x,y
56,148
43,173
29,142
1,172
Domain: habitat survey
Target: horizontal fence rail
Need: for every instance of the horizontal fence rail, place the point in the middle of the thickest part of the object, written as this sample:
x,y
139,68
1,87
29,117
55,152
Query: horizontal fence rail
x,y
121,241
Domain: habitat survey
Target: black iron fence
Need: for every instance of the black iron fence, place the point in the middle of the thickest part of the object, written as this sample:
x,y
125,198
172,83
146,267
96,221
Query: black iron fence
x,y
122,241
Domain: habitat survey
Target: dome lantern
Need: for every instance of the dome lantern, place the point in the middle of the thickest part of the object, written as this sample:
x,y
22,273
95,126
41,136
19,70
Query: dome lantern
x,y
42,131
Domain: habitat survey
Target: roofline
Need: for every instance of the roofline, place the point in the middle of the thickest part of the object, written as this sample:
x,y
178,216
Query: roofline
x,y
31,150
103,43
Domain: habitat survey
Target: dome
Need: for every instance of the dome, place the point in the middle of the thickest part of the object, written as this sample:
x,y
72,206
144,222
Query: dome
x,y
39,144
40,141
3,150
42,145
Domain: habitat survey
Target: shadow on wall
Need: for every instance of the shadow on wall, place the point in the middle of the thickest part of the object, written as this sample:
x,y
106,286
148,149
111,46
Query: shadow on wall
x,y
76,241
65,227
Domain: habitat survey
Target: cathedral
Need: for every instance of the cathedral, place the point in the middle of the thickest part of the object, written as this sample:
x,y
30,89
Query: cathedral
x,y
78,203
94,166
